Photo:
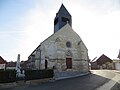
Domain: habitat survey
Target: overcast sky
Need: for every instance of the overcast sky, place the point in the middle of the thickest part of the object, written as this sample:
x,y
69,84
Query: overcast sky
x,y
24,24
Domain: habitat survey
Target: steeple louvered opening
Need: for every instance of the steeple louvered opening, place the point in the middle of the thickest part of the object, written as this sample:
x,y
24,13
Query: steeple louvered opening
x,y
61,19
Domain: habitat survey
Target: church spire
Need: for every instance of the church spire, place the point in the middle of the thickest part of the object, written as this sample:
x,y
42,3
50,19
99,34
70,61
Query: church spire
x,y
61,19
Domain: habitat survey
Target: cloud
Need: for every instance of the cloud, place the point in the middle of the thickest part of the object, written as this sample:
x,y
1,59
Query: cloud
x,y
37,27
95,27
97,23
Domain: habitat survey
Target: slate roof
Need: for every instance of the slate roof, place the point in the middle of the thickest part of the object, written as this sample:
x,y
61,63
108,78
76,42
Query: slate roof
x,y
11,64
103,59
63,10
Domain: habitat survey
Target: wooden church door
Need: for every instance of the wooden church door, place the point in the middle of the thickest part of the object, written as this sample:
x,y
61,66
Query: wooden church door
x,y
69,63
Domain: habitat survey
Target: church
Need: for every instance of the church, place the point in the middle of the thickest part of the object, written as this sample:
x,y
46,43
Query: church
x,y
64,51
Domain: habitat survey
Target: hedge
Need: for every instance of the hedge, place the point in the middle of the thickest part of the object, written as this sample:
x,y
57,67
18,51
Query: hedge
x,y
7,76
38,74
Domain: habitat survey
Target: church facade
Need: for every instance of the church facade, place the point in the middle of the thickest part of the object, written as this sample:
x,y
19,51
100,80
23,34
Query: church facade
x,y
64,50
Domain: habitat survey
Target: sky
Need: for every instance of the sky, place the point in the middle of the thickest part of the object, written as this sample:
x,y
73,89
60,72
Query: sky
x,y
24,24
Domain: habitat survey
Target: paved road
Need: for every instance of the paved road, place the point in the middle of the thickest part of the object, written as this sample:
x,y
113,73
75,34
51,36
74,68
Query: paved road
x,y
88,82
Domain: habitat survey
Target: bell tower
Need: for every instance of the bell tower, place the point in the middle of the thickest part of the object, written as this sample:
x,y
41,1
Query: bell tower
x,y
61,19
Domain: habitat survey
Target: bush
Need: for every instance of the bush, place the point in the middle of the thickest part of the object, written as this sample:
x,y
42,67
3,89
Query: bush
x,y
38,74
7,76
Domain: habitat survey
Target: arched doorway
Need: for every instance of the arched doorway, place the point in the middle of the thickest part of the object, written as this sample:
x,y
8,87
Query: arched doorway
x,y
69,59
69,63
46,64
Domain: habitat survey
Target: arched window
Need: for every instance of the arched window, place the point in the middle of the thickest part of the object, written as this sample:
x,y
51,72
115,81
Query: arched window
x,y
57,39
46,64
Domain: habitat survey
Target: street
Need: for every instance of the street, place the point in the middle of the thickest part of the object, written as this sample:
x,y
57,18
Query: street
x,y
87,82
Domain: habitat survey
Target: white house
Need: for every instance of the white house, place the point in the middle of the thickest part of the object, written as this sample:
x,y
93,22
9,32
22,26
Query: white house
x,y
117,62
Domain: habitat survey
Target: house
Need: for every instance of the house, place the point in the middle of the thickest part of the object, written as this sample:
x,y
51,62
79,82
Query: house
x,y
103,62
25,65
64,51
2,63
11,65
117,62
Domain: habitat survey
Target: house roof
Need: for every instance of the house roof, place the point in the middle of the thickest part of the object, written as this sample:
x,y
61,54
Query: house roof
x,y
2,61
11,64
103,59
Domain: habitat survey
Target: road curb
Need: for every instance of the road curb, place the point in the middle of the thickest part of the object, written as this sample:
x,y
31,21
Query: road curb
x,y
23,83
8,85
79,75
110,84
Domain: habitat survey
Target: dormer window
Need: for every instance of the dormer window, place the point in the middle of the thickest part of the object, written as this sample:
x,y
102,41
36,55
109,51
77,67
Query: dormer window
x,y
79,42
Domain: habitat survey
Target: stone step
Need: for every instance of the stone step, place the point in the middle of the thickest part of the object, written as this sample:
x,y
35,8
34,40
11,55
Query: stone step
x,y
67,74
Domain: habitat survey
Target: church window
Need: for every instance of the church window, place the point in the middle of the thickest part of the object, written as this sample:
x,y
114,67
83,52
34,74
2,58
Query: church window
x,y
79,42
68,44
65,19
46,64
57,40
56,21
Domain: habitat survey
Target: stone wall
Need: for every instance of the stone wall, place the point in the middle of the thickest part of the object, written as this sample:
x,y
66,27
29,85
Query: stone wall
x,y
55,51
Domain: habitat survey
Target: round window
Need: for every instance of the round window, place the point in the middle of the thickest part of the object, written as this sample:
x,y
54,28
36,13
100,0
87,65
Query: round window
x,y
68,44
